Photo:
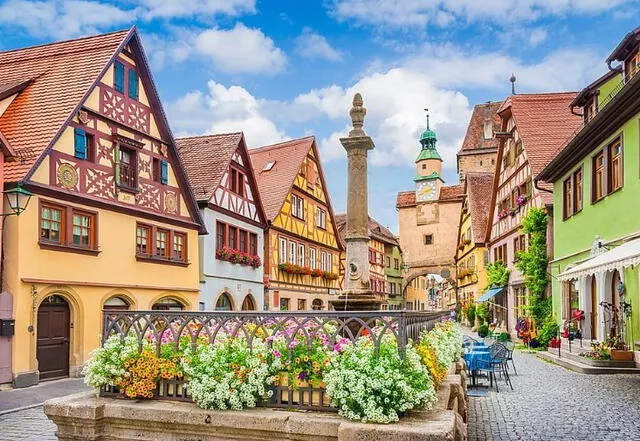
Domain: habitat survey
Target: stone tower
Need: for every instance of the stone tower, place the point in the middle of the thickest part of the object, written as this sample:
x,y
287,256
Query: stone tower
x,y
428,167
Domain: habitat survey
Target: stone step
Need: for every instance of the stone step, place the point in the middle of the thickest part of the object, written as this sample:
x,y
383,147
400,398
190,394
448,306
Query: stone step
x,y
577,366
575,356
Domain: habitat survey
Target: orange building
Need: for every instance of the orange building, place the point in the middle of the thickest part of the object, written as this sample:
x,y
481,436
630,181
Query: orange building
x,y
112,223
302,251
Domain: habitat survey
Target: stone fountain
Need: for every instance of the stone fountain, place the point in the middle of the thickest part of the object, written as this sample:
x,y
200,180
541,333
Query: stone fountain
x,y
357,294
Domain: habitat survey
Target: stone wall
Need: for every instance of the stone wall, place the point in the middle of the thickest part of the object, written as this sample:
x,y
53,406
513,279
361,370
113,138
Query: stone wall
x,y
86,417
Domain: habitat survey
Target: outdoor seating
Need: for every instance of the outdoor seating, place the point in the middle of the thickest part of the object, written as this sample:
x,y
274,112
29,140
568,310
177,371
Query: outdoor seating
x,y
510,346
496,364
474,354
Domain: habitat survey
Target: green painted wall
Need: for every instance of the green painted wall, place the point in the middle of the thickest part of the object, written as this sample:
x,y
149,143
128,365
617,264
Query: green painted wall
x,y
394,275
607,87
613,217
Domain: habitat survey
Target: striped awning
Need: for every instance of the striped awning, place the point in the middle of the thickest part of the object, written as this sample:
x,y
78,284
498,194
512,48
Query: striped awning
x,y
618,258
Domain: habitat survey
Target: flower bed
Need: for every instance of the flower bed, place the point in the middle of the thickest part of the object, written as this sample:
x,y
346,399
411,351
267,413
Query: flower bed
x,y
370,378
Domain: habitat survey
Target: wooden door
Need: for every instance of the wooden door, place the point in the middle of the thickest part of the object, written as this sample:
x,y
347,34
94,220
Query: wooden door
x,y
6,312
53,338
594,309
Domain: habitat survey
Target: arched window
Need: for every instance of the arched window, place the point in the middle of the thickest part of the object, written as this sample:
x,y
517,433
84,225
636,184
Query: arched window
x,y
316,305
224,303
116,302
167,304
249,304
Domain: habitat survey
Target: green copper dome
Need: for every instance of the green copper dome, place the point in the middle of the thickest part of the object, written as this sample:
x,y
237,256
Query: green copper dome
x,y
428,141
428,153
428,134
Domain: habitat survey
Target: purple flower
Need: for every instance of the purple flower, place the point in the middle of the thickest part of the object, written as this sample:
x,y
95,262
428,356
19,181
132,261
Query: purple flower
x,y
302,376
277,353
293,344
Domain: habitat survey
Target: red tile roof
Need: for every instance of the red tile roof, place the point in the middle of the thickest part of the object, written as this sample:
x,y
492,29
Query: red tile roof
x,y
406,199
478,188
376,230
275,184
544,122
61,75
205,159
474,139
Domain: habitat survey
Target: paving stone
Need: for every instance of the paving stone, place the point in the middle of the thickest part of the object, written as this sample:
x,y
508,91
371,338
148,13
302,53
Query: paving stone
x,y
551,403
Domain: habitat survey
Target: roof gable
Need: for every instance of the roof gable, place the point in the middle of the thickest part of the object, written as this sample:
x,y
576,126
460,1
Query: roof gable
x,y
474,138
207,160
479,187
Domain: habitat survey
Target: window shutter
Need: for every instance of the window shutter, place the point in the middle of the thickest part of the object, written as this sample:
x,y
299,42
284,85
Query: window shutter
x,y
118,79
80,144
164,172
133,84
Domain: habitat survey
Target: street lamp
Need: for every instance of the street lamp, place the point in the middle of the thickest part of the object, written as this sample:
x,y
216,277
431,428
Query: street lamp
x,y
17,198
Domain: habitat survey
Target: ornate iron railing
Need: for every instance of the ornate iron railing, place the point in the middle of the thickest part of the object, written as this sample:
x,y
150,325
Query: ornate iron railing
x,y
153,327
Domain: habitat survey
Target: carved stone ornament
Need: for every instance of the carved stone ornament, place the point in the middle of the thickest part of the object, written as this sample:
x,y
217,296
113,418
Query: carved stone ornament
x,y
163,150
354,270
170,202
357,114
83,117
67,176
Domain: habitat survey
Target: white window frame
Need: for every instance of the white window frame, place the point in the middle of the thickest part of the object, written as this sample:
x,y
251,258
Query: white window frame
x,y
301,255
312,258
282,258
323,260
329,262
321,218
293,247
297,207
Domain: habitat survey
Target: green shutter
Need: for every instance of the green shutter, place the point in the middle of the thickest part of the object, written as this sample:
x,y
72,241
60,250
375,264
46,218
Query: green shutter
x,y
133,84
80,144
118,78
164,172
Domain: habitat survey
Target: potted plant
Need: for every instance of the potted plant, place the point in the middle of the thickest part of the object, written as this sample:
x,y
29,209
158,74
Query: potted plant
x,y
618,349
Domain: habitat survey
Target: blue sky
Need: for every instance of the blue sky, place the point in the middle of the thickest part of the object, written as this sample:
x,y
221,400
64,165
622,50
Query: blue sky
x,y
282,69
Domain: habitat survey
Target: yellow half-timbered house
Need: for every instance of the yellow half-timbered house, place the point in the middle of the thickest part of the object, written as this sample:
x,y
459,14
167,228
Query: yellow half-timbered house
x,y
112,222
302,251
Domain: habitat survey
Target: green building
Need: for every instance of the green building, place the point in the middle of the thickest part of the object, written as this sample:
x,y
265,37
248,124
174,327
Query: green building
x,y
596,188
393,273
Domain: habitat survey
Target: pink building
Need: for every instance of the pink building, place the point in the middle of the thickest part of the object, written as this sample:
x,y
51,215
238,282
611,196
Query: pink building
x,y
533,128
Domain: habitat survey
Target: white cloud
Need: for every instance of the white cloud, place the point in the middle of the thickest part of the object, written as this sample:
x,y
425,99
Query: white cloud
x,y
419,13
241,50
537,36
312,45
63,19
223,109
202,8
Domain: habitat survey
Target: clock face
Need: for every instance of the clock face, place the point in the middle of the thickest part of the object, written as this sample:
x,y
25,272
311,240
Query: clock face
x,y
426,191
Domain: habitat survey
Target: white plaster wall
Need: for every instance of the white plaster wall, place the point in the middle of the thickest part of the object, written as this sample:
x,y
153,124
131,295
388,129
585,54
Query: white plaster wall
x,y
219,276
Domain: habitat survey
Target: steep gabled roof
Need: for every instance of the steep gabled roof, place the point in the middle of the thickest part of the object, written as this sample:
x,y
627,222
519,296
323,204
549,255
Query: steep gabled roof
x,y
406,199
474,138
275,183
58,77
376,230
478,190
451,193
206,158
544,122
54,81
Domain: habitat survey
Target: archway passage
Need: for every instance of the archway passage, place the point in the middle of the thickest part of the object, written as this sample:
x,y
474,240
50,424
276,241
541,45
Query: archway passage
x,y
248,304
54,320
316,305
224,303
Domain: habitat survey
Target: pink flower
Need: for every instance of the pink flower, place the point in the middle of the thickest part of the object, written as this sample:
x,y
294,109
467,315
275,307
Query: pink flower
x,y
277,353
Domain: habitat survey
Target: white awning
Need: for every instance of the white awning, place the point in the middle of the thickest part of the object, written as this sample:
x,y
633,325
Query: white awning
x,y
619,257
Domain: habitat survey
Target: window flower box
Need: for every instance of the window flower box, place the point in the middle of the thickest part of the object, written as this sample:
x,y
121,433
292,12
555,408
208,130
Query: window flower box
x,y
327,275
521,200
238,257
621,355
503,214
316,272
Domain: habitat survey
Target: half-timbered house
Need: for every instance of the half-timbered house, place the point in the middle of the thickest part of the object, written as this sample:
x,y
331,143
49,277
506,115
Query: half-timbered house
x,y
533,128
302,251
112,223
221,178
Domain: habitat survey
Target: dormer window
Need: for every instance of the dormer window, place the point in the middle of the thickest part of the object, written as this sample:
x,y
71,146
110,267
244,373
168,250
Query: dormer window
x,y
590,110
488,130
632,65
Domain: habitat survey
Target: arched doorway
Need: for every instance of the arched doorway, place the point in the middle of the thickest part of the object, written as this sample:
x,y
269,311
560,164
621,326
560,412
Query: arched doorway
x,y
248,304
167,304
224,303
116,303
54,329
316,305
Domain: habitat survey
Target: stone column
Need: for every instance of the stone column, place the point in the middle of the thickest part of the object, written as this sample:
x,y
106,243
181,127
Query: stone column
x,y
357,294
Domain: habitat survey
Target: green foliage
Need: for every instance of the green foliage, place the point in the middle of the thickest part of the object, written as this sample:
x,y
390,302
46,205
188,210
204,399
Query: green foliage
x,y
470,313
483,330
482,311
532,263
497,275
503,336
548,331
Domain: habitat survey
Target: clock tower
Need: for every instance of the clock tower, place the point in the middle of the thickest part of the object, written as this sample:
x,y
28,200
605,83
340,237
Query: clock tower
x,y
428,168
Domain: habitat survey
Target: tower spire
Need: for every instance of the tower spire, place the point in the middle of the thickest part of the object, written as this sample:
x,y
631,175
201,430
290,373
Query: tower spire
x,y
427,110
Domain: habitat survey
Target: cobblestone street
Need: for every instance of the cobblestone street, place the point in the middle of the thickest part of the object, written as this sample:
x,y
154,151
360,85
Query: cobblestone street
x,y
551,403
27,425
